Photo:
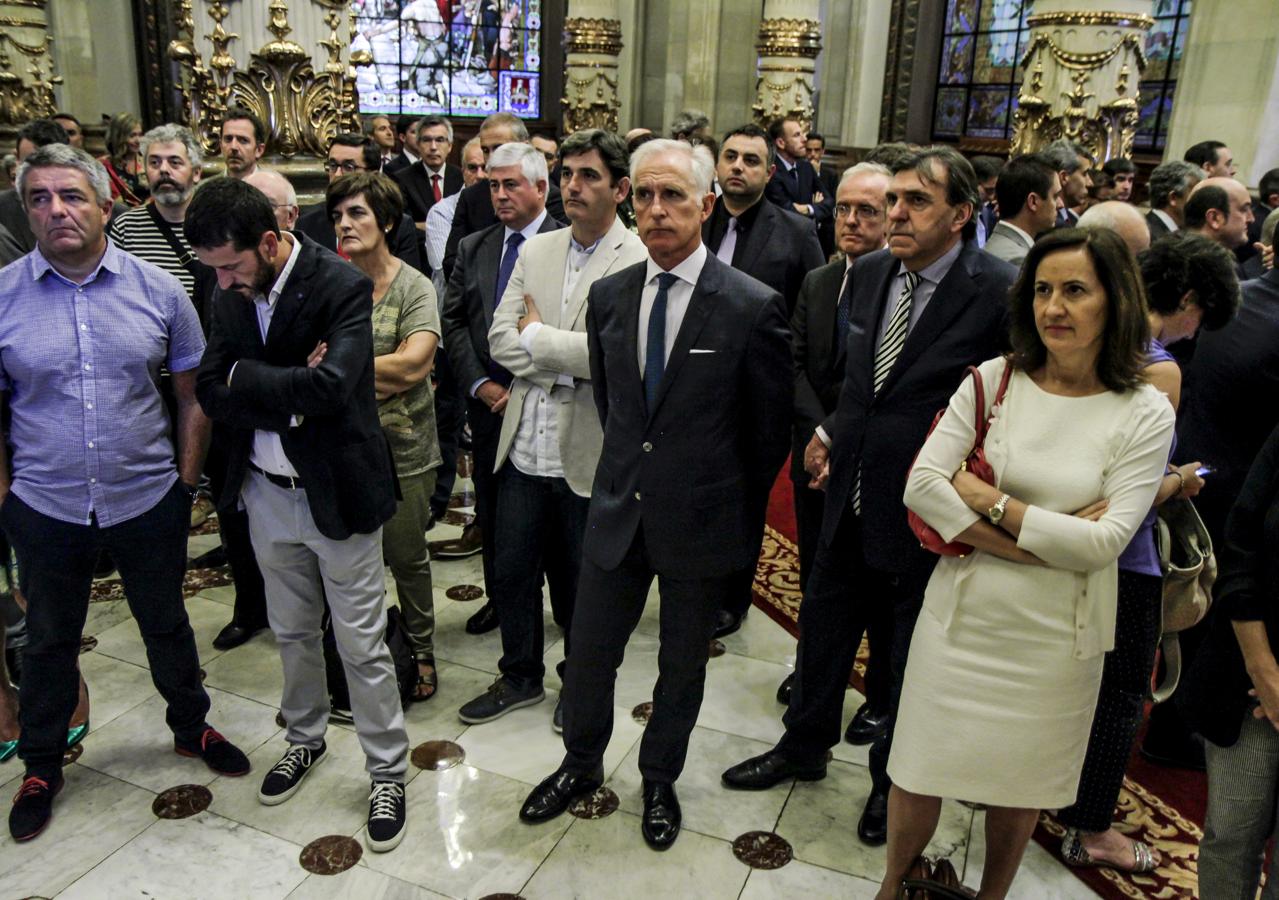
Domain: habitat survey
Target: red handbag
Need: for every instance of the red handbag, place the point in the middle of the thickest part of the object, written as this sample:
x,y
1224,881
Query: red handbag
x,y
976,463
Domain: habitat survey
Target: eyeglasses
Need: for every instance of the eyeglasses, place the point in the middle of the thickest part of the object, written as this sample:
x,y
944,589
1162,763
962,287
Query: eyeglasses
x,y
864,212
348,167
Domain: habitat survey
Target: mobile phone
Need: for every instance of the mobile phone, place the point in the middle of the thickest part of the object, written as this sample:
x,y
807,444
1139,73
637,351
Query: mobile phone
x,y
1204,470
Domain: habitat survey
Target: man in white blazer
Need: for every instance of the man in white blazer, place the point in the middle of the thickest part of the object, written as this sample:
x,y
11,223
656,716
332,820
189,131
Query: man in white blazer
x,y
551,436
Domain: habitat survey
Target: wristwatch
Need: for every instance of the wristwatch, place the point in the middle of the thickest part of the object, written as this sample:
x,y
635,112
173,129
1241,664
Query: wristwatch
x,y
996,512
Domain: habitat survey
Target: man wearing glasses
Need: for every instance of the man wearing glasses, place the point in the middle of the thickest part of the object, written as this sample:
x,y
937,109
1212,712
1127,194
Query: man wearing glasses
x,y
350,152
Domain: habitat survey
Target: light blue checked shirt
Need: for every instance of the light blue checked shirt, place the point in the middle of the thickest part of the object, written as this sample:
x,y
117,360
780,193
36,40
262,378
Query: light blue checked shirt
x,y
90,434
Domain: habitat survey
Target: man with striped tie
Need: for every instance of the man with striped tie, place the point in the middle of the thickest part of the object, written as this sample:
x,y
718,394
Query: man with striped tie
x,y
922,311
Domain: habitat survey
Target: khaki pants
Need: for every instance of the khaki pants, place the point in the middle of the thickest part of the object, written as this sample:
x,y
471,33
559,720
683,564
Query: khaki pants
x,y
404,547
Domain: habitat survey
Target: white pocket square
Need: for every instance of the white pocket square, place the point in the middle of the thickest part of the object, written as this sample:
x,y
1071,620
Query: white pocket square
x,y
700,350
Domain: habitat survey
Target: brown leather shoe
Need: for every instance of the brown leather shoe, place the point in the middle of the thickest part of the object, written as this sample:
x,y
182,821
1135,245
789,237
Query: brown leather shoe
x,y
468,544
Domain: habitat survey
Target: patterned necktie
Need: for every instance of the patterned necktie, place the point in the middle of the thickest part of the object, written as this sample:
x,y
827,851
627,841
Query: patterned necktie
x,y
655,349
889,349
843,309
435,187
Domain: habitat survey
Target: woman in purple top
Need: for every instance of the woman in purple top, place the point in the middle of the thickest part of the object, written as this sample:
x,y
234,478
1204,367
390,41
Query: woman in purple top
x,y
1190,283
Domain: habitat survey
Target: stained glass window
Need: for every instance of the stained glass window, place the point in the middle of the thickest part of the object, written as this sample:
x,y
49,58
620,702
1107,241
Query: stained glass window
x,y
979,76
450,57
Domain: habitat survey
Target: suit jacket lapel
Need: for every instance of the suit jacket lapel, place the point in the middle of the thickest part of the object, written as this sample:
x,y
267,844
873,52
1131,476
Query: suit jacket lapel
x,y
595,267
758,236
555,262
695,317
829,345
628,301
489,257
294,292
861,346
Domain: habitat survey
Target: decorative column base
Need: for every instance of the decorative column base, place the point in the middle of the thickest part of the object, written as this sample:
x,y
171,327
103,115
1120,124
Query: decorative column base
x,y
788,51
591,47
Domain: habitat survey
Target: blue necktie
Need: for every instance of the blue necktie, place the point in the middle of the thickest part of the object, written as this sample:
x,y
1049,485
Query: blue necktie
x,y
655,351
496,372
843,311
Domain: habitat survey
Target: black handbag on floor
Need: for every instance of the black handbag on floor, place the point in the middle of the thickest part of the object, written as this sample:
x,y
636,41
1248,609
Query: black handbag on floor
x,y
397,642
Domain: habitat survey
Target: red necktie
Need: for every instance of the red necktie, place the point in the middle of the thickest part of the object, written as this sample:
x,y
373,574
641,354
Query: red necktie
x,y
435,187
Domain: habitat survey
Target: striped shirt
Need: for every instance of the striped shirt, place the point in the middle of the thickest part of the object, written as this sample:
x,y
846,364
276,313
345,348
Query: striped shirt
x,y
136,232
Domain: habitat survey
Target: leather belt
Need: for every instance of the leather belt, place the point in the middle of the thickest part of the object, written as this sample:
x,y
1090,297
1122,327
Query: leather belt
x,y
288,482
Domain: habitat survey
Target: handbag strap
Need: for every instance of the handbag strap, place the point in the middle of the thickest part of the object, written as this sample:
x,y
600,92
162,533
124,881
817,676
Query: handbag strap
x,y
983,424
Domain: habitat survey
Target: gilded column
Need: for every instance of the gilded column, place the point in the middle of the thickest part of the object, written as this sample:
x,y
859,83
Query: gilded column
x,y
28,74
788,44
592,42
1082,68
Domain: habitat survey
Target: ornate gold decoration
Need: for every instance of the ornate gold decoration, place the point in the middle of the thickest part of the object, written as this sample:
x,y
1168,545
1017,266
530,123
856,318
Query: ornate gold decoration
x,y
14,22
301,108
1084,17
789,37
596,36
1086,61
22,100
29,4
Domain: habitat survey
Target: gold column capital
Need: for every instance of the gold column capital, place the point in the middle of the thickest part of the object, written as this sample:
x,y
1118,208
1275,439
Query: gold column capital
x,y
789,37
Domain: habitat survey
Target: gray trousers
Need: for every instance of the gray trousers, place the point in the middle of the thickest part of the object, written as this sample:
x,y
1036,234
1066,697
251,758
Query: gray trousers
x,y
1243,787
301,568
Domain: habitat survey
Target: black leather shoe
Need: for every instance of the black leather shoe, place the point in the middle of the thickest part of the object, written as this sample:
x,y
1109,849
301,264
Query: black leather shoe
x,y
784,689
662,815
483,621
726,623
210,559
556,792
762,772
866,726
872,827
234,634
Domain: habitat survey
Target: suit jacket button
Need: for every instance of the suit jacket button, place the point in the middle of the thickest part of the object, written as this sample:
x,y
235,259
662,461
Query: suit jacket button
x,y
637,495
648,448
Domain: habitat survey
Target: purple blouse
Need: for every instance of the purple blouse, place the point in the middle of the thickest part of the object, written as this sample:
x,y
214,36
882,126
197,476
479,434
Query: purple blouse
x,y
1141,555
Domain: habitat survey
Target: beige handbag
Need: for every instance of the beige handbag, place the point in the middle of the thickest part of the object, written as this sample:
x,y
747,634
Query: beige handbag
x,y
1189,569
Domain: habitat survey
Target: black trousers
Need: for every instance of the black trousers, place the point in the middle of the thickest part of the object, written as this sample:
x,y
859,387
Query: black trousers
x,y
450,415
1125,681
485,430
609,607
233,528
741,590
845,596
810,506
540,527
57,560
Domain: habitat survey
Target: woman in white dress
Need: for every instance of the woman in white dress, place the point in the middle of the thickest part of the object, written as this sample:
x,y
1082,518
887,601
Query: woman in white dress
x,y
1006,658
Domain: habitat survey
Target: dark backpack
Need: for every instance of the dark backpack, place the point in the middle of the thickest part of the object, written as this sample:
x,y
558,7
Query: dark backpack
x,y
397,641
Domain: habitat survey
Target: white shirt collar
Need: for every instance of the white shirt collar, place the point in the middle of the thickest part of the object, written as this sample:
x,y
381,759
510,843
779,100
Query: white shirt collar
x,y
689,270
528,230
1167,220
412,157
282,279
439,172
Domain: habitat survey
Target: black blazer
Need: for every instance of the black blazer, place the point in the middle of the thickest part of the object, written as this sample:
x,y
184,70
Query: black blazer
x,y
783,190
819,358
315,223
415,184
965,323
339,450
693,471
779,249
475,212
469,301
1235,401
398,162
1213,697
1157,226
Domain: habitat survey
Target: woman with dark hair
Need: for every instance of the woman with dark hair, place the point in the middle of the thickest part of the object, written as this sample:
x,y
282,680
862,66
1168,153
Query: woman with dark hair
x,y
124,164
1006,657
365,207
1190,283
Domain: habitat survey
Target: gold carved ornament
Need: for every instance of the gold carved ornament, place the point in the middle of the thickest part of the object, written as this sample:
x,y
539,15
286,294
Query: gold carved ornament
x,y
22,100
595,36
591,100
789,37
1086,18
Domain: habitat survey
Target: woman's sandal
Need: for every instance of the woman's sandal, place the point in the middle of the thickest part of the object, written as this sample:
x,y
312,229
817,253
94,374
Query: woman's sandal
x,y
431,681
1074,854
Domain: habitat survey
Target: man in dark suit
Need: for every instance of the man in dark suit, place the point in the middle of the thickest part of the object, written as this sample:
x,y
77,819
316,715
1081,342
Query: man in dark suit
x,y
828,184
795,185
1074,168
289,367
349,153
517,183
773,246
921,312
432,177
1170,187
474,205
690,369
406,131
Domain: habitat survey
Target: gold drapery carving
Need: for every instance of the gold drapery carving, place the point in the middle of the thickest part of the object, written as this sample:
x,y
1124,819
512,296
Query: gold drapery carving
x,y
784,86
24,99
590,96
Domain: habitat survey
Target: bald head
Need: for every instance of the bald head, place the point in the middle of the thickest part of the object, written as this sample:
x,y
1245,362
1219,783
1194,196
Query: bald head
x,y
1220,209
1121,218
284,200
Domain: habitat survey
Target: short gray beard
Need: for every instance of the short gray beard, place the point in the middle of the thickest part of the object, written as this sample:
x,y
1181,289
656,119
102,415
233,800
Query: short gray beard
x,y
169,197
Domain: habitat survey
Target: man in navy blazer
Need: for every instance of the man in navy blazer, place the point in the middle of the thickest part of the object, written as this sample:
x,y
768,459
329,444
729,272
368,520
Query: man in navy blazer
x,y
690,368
795,186
948,299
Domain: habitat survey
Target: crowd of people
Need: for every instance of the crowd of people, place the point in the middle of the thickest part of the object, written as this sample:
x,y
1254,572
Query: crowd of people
x,y
629,335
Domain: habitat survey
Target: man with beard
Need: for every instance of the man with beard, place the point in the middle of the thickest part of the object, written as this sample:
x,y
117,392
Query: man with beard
x,y
243,142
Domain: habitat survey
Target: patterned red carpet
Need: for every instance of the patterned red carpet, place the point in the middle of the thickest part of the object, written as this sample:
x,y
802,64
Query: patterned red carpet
x,y
1161,806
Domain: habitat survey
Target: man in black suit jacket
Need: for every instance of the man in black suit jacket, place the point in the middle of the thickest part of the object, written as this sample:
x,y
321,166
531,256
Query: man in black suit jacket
x,y
289,367
827,183
773,246
1170,187
406,131
795,186
419,181
690,371
349,153
484,265
1074,169
921,312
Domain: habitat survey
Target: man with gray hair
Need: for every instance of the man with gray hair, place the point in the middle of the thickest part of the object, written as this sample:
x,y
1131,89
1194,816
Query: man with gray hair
x,y
692,126
1170,187
83,328
279,190
1074,167
1123,219
691,372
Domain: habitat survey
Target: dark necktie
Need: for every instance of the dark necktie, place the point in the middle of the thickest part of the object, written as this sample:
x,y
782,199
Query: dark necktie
x,y
655,350
843,309
435,187
496,372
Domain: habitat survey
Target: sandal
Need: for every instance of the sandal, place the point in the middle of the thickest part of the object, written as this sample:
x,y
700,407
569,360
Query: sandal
x,y
431,681
1074,854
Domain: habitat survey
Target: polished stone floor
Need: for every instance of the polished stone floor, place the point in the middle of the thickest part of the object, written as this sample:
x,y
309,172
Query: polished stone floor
x,y
464,838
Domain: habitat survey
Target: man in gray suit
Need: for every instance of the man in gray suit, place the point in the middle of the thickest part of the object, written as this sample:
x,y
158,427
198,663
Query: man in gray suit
x,y
1170,187
1029,194
550,439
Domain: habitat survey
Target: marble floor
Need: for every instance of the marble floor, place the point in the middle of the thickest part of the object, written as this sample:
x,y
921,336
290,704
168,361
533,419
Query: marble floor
x,y
464,839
